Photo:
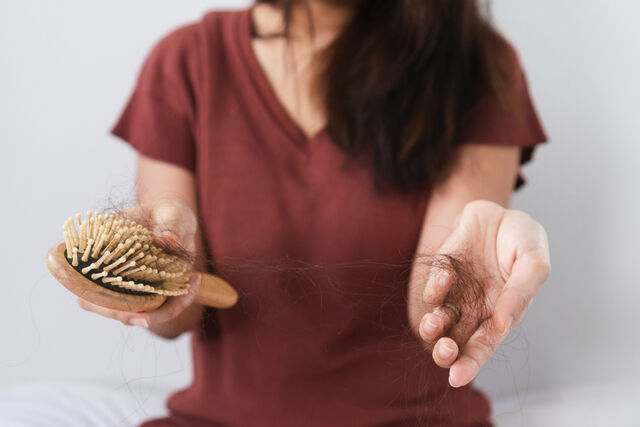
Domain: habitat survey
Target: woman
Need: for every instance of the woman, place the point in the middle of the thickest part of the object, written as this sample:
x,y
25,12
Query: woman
x,y
323,145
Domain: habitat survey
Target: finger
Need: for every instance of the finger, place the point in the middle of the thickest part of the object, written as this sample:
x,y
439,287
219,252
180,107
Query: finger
x,y
174,223
431,327
167,239
476,353
521,235
175,305
445,352
126,317
527,275
464,329
436,289
163,218
438,323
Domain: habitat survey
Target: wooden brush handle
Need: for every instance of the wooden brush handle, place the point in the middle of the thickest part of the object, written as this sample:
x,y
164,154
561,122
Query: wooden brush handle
x,y
215,292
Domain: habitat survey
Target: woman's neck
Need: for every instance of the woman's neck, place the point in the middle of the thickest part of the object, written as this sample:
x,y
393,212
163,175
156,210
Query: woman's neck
x,y
294,81
320,19
316,22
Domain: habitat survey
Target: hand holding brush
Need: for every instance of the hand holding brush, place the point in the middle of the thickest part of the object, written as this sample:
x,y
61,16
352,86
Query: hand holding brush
x,y
119,267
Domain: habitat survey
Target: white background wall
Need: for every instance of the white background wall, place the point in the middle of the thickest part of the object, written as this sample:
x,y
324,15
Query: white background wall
x,y
67,67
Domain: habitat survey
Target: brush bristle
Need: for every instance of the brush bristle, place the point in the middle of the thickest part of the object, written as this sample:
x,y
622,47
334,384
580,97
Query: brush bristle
x,y
119,253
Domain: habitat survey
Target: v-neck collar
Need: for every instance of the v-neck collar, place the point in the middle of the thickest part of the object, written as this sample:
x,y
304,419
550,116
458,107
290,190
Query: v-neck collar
x,y
265,91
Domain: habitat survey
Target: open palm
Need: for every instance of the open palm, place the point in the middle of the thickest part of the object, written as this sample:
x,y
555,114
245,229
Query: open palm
x,y
508,254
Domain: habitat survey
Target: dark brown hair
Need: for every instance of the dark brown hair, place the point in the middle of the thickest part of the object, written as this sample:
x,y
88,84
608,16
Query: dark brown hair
x,y
400,78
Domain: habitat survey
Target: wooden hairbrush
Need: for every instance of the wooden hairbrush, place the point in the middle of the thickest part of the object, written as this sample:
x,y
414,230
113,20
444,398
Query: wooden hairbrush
x,y
113,262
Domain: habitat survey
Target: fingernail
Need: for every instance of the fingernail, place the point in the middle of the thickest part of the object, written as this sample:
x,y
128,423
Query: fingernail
x,y
429,326
443,280
452,381
138,321
445,351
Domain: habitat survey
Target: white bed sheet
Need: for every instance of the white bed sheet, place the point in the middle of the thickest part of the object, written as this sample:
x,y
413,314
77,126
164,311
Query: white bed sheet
x,y
599,405
79,405
82,405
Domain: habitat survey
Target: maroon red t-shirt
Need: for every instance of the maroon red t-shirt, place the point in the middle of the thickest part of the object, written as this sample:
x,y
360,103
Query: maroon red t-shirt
x,y
319,254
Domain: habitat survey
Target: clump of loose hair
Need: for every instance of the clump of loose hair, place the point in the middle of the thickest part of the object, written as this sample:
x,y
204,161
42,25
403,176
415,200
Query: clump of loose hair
x,y
467,296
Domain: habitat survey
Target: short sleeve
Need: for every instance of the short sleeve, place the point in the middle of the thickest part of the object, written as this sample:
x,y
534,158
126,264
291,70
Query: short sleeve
x,y
159,118
515,124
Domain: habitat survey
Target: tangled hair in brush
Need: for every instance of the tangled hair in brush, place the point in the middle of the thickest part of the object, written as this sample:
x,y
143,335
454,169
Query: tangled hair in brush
x,y
142,215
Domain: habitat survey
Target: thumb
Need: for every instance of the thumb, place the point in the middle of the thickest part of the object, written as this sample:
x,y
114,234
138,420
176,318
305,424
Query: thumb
x,y
174,224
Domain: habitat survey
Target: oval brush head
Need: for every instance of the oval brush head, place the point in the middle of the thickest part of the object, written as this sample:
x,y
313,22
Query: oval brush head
x,y
113,262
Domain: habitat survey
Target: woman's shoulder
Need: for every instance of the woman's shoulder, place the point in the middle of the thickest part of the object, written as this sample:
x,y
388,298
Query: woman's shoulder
x,y
189,37
508,60
182,51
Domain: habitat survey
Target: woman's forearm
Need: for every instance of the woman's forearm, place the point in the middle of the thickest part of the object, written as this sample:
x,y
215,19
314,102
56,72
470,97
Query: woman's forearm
x,y
162,181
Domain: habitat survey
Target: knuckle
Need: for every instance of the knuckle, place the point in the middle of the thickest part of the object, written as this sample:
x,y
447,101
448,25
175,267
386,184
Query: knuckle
x,y
166,215
541,267
521,215
176,218
481,207
427,295
445,315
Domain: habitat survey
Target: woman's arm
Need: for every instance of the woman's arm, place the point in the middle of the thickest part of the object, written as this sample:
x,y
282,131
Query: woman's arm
x,y
508,248
167,197
160,181
483,172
